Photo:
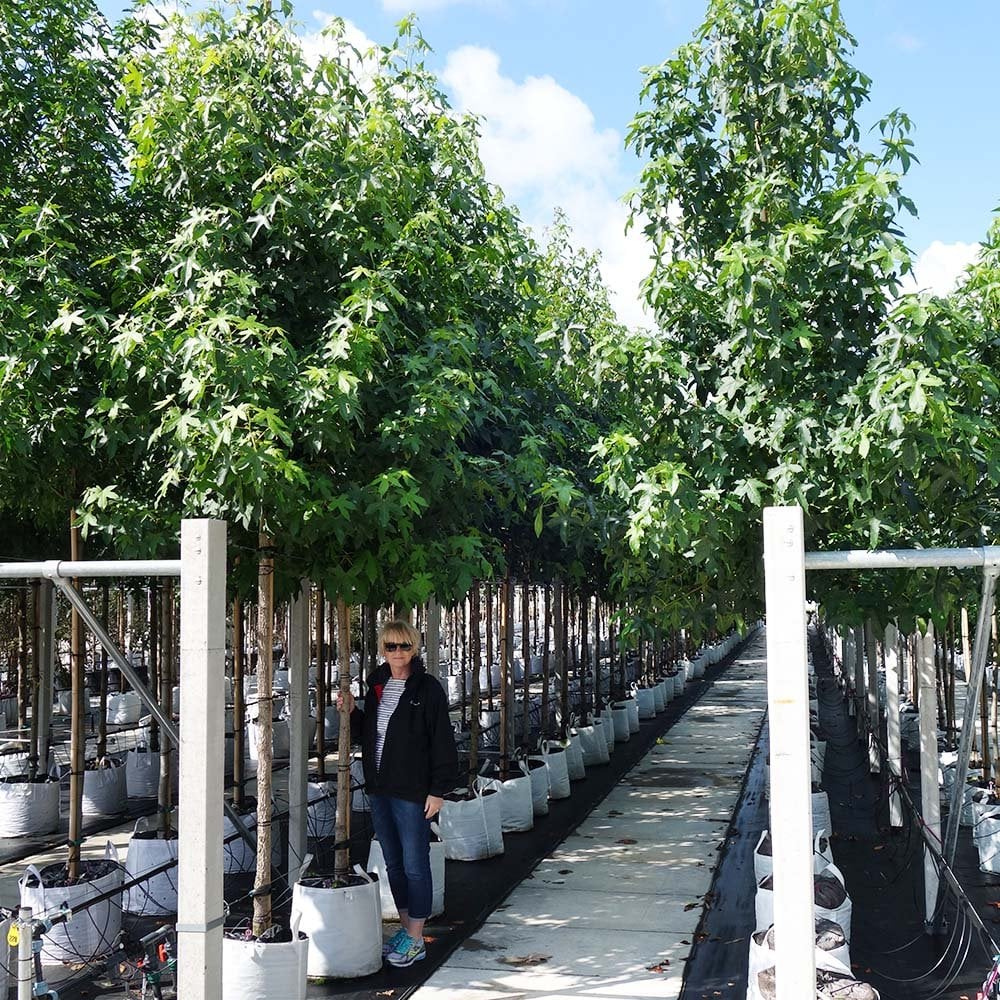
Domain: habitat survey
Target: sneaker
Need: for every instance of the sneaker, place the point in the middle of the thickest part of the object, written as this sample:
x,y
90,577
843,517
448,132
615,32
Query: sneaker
x,y
394,942
408,951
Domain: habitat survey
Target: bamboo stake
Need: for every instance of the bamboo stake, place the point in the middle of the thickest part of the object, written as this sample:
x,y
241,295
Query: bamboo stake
x,y
476,659
505,637
526,661
239,704
342,857
77,719
560,641
36,674
582,663
22,659
102,719
321,683
489,647
265,732
546,658
166,701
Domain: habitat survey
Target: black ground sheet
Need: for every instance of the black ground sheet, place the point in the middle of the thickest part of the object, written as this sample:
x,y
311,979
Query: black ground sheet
x,y
475,889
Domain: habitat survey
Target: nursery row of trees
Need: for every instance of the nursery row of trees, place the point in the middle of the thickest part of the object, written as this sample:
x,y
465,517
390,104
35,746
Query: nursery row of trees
x,y
239,279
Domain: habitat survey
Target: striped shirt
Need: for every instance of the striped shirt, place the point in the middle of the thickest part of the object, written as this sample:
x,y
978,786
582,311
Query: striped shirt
x,y
391,694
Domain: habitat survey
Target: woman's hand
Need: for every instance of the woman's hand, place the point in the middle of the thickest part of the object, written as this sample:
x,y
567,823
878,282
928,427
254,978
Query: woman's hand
x,y
432,806
345,703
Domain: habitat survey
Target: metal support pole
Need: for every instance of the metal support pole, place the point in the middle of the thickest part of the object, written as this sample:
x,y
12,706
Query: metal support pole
x,y
25,960
203,716
975,681
895,756
167,726
874,709
299,730
788,721
930,803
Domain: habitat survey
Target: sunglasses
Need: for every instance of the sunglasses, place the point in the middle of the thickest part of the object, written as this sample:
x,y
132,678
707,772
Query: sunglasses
x,y
391,647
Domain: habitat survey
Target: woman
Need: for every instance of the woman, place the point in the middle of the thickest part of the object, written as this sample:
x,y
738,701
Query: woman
x,y
410,763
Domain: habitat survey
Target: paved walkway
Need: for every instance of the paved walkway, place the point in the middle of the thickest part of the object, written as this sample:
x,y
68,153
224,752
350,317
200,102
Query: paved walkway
x,y
613,911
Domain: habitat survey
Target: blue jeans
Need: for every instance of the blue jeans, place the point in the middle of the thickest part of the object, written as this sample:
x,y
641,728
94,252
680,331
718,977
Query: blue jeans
x,y
404,835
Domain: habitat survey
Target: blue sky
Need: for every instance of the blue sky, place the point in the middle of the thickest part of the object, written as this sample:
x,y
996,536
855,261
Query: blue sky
x,y
557,82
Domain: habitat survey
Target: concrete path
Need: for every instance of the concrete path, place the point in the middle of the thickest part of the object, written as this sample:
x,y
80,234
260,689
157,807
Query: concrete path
x,y
611,914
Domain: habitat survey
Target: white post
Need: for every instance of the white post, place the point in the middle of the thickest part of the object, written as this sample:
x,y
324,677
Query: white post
x,y
874,710
892,721
930,803
203,666
788,721
25,956
299,731
433,637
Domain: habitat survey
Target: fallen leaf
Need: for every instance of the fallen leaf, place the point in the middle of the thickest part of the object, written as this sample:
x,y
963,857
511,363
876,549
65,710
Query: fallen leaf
x,y
523,960
661,966
565,871
626,840
690,906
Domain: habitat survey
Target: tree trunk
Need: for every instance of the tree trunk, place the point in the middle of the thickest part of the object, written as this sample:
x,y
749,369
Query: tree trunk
x,y
23,681
505,637
584,658
265,732
342,857
36,674
561,665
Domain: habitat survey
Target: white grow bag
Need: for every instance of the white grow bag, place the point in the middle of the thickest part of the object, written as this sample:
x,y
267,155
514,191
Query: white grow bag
x,y
619,713
470,825
764,905
821,811
28,807
157,896
359,797
763,864
516,812
88,934
321,813
376,865
252,969
833,950
538,769
574,758
344,928
142,773
679,681
279,740
608,725
104,790
592,744
986,835
660,696
13,765
555,757
645,699
124,709
633,714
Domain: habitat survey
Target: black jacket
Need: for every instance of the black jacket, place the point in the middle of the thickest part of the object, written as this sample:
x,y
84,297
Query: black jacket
x,y
418,754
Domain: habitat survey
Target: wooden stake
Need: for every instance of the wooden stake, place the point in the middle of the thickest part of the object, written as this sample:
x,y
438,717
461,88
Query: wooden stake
x,y
78,718
321,683
526,661
476,659
239,703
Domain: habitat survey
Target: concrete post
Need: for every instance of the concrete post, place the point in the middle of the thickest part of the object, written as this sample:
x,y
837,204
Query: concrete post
x,y
47,663
299,731
203,716
873,707
895,756
930,803
788,721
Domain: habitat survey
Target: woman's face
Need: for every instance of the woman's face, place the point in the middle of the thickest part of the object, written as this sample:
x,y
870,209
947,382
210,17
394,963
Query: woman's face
x,y
397,650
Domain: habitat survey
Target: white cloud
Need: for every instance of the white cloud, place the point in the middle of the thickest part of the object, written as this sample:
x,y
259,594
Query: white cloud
x,y
427,6
939,268
906,42
541,144
317,44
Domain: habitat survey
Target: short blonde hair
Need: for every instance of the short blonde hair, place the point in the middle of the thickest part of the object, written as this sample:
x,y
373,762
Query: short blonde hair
x,y
399,631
